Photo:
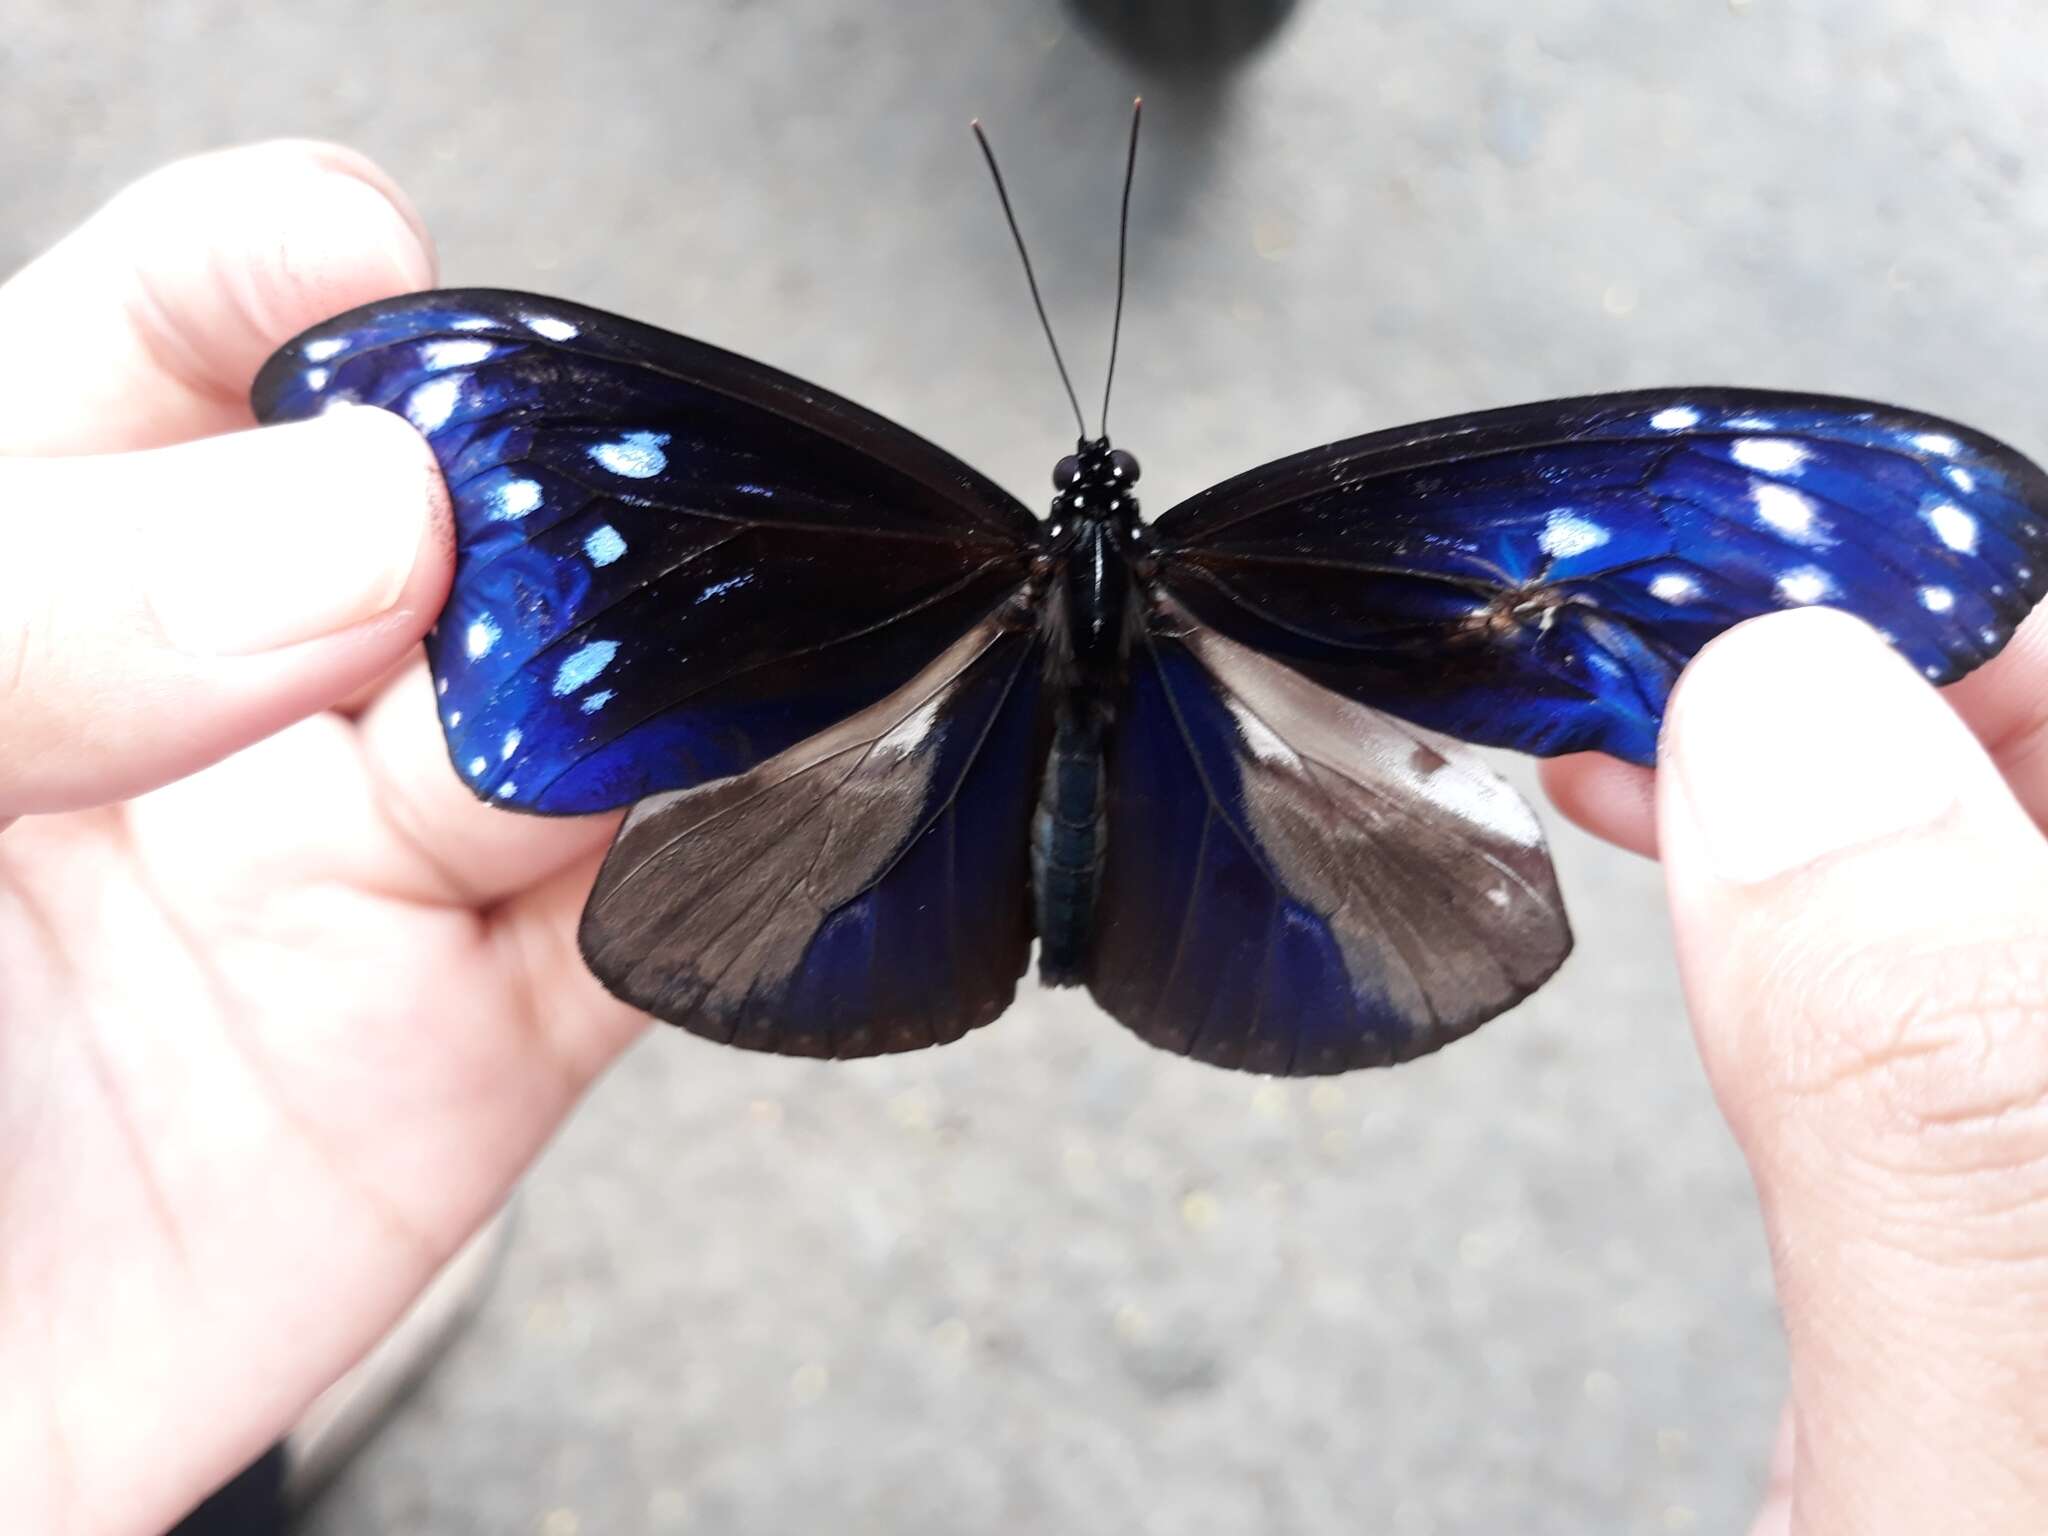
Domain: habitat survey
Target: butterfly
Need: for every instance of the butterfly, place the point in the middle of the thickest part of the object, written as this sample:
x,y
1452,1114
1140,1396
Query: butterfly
x,y
879,726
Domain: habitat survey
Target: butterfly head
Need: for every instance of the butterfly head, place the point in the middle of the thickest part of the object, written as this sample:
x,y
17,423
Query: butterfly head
x,y
1094,483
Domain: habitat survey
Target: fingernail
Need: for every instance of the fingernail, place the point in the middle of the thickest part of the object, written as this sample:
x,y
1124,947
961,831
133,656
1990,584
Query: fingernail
x,y
335,212
276,537
1802,735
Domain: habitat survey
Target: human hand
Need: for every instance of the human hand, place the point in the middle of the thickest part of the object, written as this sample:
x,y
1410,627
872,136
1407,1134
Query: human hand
x,y
1859,888
276,1033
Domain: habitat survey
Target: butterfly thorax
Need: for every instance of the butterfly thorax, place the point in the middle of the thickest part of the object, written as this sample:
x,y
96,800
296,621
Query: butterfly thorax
x,y
1094,522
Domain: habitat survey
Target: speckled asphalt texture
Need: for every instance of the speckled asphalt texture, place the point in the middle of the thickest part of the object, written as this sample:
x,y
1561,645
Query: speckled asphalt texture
x,y
1048,1279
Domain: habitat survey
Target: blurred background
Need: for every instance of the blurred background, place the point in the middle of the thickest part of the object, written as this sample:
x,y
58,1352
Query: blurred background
x,y
1049,1279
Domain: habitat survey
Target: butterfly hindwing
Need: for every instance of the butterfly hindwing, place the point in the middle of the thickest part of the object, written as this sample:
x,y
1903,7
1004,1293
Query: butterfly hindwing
x,y
864,891
1297,884
672,562
1536,577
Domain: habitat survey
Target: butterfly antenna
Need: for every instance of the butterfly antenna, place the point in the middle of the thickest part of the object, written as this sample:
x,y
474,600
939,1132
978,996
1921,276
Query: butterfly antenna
x,y
1029,276
1123,234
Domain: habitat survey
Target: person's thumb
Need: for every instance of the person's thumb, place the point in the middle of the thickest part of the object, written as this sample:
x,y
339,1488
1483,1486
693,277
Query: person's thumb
x,y
1862,920
160,610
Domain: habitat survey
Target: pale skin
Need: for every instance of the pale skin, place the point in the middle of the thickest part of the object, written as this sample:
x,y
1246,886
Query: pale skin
x,y
284,1012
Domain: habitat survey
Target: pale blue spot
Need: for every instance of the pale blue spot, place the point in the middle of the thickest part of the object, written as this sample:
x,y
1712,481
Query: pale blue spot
x,y
476,767
511,746
1566,534
637,455
583,666
719,588
454,354
1954,527
430,406
1807,584
604,545
597,701
1674,587
483,634
507,790
1769,455
513,499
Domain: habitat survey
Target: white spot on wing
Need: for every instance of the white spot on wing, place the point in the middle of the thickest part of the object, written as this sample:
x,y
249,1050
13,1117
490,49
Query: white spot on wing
x,y
550,327
483,634
430,406
1961,478
584,665
637,455
1259,738
908,734
1807,584
513,499
1769,455
441,686
511,745
1787,510
326,347
316,378
1954,527
596,701
1937,599
476,767
454,718
604,545
454,354
507,790
1479,798
1566,533
1937,442
1675,418
1674,587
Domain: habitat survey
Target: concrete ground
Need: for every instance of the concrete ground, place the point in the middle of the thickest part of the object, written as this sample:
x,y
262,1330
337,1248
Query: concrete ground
x,y
1048,1279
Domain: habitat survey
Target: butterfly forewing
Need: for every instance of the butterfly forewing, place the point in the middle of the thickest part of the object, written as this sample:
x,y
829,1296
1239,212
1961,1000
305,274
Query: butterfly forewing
x,y
1536,577
672,562
861,892
1297,884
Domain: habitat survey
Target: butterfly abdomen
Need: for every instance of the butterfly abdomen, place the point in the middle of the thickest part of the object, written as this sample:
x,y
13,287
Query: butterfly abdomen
x,y
1067,843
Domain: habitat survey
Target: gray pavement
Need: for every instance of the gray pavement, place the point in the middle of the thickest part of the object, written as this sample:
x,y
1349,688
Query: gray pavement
x,y
1048,1279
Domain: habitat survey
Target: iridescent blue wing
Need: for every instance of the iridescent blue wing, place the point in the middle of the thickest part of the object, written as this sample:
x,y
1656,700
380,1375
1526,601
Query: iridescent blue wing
x,y
864,891
1536,577
672,562
1296,884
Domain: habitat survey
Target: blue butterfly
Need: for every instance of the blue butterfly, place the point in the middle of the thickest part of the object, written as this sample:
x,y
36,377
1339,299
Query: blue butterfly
x,y
879,725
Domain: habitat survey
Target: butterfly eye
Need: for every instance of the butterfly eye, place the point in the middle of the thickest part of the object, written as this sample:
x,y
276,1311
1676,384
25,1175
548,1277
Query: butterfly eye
x,y
1063,473
1124,466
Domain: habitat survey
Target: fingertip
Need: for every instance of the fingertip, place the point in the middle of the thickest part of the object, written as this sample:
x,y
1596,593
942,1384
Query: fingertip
x,y
1801,735
1613,800
145,326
